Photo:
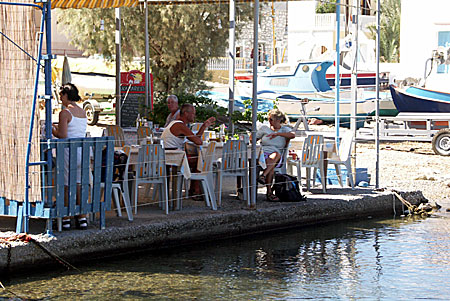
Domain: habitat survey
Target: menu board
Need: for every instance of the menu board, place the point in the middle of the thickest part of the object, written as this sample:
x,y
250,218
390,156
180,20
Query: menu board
x,y
131,99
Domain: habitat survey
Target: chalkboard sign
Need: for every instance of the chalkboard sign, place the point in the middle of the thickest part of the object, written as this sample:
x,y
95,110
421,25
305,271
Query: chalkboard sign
x,y
131,104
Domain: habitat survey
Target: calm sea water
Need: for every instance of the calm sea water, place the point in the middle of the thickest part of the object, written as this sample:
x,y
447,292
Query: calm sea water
x,y
371,259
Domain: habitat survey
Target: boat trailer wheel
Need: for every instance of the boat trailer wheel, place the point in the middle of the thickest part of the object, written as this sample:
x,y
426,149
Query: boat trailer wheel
x,y
441,142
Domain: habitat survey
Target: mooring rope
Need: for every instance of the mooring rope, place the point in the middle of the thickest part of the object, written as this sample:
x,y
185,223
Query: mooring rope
x,y
11,292
27,238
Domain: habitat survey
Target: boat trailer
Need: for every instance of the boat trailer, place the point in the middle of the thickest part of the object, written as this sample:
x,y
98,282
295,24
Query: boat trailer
x,y
428,127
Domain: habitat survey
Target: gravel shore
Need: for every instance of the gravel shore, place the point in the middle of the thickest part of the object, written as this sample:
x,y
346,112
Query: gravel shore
x,y
409,166
405,166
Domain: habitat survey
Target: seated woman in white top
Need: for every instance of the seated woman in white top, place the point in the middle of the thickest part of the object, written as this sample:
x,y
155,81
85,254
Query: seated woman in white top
x,y
274,139
72,124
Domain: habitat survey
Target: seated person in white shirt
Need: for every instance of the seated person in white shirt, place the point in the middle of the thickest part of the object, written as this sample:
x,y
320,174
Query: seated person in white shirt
x,y
274,139
177,131
172,104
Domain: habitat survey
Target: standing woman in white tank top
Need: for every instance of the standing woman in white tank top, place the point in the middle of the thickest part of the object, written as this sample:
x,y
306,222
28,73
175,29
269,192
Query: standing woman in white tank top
x,y
72,124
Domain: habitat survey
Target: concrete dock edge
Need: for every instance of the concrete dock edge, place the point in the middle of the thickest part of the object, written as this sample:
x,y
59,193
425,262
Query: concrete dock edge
x,y
78,246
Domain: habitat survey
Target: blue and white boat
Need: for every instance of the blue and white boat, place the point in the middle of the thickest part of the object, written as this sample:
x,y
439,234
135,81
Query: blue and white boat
x,y
308,76
288,86
420,100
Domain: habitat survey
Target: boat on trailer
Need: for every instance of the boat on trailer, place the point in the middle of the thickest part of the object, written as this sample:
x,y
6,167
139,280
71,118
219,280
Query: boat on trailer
x,y
424,115
420,100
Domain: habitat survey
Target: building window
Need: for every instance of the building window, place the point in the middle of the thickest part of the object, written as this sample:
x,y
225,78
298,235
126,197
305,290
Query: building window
x,y
262,56
365,7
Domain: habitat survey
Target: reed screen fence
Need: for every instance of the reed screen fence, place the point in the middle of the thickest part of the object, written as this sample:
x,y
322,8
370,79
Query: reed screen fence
x,y
17,75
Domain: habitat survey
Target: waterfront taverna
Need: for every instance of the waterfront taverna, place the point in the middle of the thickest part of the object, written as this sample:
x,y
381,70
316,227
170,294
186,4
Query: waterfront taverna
x,y
30,181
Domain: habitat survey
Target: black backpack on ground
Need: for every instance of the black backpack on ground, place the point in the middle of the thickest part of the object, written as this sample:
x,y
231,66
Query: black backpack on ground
x,y
287,189
120,161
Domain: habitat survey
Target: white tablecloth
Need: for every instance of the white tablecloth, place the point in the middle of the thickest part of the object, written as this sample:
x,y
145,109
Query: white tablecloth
x,y
178,158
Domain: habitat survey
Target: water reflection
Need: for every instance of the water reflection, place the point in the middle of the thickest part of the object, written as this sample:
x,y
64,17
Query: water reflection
x,y
374,259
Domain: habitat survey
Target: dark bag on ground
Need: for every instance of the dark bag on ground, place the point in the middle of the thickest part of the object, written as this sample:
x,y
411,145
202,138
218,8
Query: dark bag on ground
x,y
287,189
120,161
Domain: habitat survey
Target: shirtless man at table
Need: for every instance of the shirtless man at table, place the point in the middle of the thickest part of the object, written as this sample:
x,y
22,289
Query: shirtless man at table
x,y
174,137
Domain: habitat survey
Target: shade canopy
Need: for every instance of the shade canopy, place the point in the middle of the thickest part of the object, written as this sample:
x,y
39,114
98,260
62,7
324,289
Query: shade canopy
x,y
134,3
93,3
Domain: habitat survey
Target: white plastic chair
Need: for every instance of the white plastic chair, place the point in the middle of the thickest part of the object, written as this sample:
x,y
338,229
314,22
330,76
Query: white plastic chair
x,y
234,163
344,158
294,163
285,152
290,162
284,155
117,188
205,176
195,127
312,157
151,169
142,133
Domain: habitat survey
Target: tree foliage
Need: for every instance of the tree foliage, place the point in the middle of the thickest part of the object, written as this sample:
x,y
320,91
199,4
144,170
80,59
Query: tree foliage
x,y
389,31
326,7
181,39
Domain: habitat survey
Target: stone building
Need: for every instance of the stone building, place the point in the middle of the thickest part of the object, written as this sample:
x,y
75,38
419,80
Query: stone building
x,y
272,35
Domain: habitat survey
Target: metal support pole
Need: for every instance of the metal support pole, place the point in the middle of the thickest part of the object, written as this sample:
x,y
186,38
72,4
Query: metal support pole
x,y
147,63
338,64
377,110
117,40
254,190
274,40
231,64
354,81
48,70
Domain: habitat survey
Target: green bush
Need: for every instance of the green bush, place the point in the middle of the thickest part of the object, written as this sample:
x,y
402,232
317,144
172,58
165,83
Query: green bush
x,y
246,115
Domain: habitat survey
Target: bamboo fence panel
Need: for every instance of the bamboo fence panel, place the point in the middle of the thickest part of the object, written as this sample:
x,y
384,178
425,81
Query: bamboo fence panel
x,y
17,75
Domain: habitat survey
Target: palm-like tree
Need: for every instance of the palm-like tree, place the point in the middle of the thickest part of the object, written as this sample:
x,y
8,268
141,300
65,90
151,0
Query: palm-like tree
x,y
389,31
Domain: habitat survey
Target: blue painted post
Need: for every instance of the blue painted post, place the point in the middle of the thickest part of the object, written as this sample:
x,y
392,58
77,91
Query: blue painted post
x,y
85,176
48,71
59,178
22,224
72,145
